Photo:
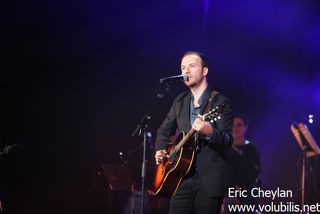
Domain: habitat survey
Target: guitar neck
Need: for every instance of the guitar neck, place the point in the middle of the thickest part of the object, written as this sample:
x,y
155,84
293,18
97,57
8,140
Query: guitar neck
x,y
212,115
184,140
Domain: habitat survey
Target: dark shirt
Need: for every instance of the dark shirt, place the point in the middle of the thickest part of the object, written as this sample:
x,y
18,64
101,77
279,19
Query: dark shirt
x,y
245,161
194,111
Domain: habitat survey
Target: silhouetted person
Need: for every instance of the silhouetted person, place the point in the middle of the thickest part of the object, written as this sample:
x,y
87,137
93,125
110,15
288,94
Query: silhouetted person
x,y
244,158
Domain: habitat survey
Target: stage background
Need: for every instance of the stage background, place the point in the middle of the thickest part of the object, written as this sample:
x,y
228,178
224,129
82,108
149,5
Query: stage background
x,y
79,75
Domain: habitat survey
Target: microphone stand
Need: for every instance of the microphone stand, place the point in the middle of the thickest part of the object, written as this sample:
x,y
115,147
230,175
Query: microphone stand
x,y
306,142
3,153
142,128
303,176
303,168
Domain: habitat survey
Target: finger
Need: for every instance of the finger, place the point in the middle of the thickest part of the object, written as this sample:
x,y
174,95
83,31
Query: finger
x,y
200,117
195,127
197,120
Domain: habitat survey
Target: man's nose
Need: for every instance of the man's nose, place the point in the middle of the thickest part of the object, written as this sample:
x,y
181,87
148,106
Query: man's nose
x,y
186,71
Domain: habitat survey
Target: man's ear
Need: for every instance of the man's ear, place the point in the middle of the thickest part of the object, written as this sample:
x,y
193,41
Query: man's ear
x,y
205,71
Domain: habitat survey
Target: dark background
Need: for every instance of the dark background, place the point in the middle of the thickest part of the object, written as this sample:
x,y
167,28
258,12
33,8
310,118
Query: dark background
x,y
79,76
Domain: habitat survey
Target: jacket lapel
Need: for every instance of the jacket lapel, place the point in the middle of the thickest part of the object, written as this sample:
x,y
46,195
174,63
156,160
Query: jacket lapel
x,y
185,112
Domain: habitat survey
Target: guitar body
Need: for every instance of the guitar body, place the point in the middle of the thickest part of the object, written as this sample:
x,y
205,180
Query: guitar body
x,y
169,173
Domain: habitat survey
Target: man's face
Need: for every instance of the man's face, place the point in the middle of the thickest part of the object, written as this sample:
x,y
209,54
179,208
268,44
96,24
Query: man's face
x,y
192,67
239,128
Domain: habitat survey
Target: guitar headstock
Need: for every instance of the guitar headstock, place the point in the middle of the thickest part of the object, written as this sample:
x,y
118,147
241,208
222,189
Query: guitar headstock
x,y
214,114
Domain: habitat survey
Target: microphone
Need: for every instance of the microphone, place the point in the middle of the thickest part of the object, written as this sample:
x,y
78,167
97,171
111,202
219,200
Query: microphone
x,y
174,78
10,148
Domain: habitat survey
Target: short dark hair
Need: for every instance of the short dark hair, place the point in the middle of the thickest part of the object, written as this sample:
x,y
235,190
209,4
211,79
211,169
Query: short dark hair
x,y
204,60
243,117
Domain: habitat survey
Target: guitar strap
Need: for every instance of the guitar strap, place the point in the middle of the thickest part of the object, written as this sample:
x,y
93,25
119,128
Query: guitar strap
x,y
206,109
209,102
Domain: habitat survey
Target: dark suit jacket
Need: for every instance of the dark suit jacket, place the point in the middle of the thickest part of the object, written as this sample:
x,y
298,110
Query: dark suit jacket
x,y
214,172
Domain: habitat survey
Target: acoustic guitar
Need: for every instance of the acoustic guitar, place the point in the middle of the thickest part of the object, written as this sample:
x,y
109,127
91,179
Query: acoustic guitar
x,y
176,165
